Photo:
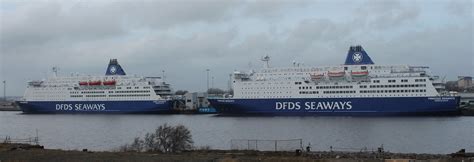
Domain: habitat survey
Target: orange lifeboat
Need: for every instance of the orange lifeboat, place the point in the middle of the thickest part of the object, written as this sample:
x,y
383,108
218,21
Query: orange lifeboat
x,y
360,73
336,73
83,83
95,82
316,76
110,82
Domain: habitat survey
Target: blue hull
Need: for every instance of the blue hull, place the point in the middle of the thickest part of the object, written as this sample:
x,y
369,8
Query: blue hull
x,y
394,106
95,107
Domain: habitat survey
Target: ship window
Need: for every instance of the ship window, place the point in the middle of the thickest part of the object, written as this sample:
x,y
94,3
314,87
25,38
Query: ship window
x,y
363,67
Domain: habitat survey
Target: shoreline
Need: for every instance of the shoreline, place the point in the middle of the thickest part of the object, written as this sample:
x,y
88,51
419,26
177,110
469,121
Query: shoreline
x,y
26,152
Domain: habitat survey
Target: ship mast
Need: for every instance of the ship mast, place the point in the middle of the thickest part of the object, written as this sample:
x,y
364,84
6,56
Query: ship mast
x,y
55,71
266,59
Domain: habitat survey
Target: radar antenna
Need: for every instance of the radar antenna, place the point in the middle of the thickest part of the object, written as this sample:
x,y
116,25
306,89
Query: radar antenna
x,y
266,59
55,71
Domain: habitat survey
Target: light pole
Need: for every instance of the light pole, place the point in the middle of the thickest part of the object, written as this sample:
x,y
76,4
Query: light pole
x,y
5,90
207,70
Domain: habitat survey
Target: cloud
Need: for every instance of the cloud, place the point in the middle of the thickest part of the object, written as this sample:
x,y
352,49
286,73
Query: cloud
x,y
186,37
42,22
461,8
386,14
271,9
166,14
448,50
319,31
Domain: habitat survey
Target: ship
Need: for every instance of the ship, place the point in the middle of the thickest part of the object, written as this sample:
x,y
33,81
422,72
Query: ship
x,y
359,87
114,92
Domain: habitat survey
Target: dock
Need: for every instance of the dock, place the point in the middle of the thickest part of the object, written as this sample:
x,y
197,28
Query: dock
x,y
8,106
466,105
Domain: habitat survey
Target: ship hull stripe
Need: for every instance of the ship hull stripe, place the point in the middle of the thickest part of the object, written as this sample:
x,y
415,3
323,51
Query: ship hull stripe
x,y
95,107
380,106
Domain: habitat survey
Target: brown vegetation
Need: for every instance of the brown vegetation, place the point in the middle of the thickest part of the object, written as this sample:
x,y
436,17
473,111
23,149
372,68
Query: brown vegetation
x,y
165,139
24,152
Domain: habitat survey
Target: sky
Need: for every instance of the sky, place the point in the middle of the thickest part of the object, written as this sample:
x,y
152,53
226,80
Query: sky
x,y
183,38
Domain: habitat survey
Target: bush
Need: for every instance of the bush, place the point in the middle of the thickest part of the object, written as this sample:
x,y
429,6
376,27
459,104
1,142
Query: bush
x,y
165,139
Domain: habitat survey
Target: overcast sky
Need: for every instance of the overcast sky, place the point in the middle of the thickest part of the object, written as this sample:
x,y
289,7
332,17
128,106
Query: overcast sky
x,y
186,37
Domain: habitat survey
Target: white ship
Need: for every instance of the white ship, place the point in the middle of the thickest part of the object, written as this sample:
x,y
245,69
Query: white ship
x,y
358,87
115,92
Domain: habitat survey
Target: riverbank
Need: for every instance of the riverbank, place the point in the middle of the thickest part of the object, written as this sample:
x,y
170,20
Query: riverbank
x,y
25,152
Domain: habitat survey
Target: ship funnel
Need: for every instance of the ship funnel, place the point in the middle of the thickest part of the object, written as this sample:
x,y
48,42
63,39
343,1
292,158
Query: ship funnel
x,y
114,68
357,56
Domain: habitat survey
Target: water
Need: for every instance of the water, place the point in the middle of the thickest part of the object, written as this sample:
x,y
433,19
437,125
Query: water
x,y
108,132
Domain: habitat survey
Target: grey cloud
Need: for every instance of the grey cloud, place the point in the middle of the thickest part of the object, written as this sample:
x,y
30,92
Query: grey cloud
x,y
448,50
271,9
166,14
386,14
143,37
461,8
312,35
42,22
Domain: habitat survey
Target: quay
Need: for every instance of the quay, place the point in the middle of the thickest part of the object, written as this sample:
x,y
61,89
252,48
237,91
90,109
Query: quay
x,y
466,105
8,106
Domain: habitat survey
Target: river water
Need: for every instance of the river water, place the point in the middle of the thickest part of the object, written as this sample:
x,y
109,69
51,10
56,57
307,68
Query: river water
x,y
108,132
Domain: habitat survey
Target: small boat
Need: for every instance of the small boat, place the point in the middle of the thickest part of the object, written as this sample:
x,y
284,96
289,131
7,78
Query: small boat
x,y
360,73
109,82
336,73
95,82
83,83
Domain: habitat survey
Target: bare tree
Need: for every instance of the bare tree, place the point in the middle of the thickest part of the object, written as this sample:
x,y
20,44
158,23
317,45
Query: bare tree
x,y
149,142
137,145
166,138
181,139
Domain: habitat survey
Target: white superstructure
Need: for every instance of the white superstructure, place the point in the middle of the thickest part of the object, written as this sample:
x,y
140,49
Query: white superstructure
x,y
344,81
69,88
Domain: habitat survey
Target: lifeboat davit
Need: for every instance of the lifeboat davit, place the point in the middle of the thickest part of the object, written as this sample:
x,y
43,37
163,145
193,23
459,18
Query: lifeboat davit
x,y
83,83
95,82
316,76
336,73
360,73
110,82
